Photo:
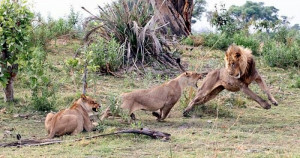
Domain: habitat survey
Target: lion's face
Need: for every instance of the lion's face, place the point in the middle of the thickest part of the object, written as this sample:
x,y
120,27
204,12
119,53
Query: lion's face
x,y
89,103
233,61
193,78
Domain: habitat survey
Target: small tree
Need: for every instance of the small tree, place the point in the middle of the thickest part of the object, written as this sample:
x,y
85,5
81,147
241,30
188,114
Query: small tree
x,y
199,8
15,28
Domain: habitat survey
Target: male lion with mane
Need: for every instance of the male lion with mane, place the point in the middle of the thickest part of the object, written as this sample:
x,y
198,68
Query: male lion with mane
x,y
162,97
238,74
72,120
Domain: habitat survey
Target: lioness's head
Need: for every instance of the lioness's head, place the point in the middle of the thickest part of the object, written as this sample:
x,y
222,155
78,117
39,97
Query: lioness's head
x,y
192,78
89,103
236,60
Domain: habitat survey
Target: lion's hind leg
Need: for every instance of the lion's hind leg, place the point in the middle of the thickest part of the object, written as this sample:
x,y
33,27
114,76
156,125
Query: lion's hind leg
x,y
157,114
165,111
48,122
265,88
201,98
67,124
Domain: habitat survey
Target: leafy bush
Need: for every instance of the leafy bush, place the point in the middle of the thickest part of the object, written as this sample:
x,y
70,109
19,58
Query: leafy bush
x,y
44,31
248,41
297,85
285,35
281,55
132,24
217,41
106,53
193,40
42,89
188,41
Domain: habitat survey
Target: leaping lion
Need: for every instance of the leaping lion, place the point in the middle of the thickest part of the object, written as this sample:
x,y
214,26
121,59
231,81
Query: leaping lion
x,y
238,74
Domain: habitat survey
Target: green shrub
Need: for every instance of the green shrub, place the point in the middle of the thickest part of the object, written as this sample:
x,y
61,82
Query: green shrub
x,y
281,55
46,30
217,41
188,41
132,24
248,41
42,89
297,85
104,52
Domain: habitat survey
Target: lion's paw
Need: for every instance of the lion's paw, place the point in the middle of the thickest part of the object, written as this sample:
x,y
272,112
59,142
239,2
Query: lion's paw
x,y
266,105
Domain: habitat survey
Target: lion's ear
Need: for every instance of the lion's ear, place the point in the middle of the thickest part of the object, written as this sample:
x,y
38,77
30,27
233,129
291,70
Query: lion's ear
x,y
83,96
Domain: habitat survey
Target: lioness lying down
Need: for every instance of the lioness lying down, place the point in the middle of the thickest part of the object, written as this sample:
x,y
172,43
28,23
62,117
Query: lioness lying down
x,y
72,120
162,97
238,74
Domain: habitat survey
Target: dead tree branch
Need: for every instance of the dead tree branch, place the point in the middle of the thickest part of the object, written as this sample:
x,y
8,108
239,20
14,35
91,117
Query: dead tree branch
x,y
41,142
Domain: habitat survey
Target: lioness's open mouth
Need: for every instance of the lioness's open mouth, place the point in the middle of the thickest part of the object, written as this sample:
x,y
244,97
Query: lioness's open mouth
x,y
95,109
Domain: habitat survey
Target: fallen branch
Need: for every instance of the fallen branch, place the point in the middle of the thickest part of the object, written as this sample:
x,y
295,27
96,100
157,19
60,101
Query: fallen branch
x,y
41,142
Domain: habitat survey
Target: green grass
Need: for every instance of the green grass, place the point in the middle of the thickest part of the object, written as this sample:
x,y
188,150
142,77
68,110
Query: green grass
x,y
249,131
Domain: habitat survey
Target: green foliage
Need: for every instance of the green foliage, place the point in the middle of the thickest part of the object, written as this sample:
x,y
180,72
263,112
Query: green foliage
x,y
42,89
199,8
238,18
285,35
103,53
217,41
113,103
281,55
188,41
131,24
254,11
15,28
248,41
224,22
297,84
222,41
47,30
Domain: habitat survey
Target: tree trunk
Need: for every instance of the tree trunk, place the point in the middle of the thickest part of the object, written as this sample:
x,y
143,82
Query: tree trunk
x,y
177,13
9,88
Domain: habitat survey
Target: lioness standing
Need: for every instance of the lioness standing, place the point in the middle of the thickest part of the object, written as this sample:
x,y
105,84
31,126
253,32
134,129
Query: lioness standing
x,y
238,74
162,97
72,120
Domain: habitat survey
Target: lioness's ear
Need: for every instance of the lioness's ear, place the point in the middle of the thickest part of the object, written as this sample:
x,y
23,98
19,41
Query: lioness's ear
x,y
187,74
83,96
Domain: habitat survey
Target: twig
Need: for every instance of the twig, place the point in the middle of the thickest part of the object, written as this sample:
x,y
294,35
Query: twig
x,y
112,73
84,82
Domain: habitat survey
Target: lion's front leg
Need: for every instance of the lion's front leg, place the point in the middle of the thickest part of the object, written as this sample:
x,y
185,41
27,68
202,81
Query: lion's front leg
x,y
255,97
265,88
